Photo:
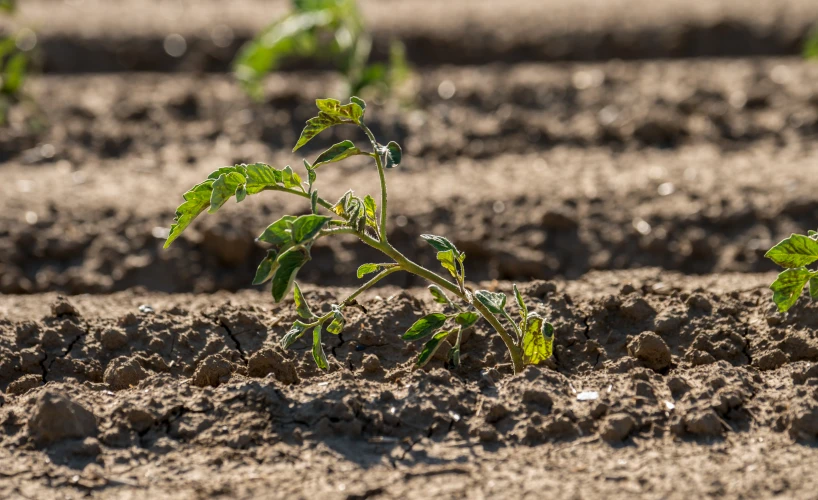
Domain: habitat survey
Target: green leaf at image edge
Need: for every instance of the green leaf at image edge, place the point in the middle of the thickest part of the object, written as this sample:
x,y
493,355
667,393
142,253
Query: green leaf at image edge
x,y
424,326
796,251
789,285
430,347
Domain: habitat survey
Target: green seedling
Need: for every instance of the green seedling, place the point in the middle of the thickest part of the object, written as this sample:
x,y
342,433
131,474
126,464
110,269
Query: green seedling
x,y
529,340
321,29
811,44
14,63
794,254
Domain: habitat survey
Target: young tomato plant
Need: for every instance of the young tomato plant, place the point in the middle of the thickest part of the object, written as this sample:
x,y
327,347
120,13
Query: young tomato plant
x,y
14,62
794,254
529,341
327,29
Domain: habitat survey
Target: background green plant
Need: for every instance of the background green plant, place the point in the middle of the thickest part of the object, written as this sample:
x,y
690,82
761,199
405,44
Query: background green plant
x,y
14,65
794,254
321,29
811,44
529,340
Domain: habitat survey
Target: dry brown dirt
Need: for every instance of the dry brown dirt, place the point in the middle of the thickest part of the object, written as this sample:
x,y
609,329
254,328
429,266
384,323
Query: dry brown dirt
x,y
632,200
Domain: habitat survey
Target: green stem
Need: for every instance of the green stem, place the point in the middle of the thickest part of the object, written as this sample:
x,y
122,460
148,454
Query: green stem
x,y
324,203
366,286
382,175
514,325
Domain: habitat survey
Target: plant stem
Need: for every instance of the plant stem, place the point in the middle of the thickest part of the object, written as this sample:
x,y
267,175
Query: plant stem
x,y
324,203
381,275
382,175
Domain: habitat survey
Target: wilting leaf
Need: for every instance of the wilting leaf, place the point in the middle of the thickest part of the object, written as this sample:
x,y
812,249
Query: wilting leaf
x,y
438,294
266,268
796,251
521,304
223,188
466,319
337,152
318,349
425,326
295,333
392,155
440,243
196,201
430,347
288,265
301,305
279,233
538,340
447,261
494,301
338,323
788,287
307,226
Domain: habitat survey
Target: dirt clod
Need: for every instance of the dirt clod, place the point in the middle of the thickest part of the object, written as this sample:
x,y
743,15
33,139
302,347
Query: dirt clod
x,y
63,307
212,371
124,372
616,427
56,417
651,350
24,384
272,361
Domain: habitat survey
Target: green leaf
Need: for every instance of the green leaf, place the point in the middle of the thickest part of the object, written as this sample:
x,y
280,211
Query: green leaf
x,y
301,305
494,301
392,155
811,45
789,285
538,340
430,347
371,209
241,193
314,127
291,179
352,111
261,176
440,243
318,349
337,152
447,261
813,288
8,5
295,333
368,269
360,102
288,265
338,322
279,233
223,188
266,268
424,326
196,201
796,251
438,294
307,226
466,319
14,73
454,356
521,304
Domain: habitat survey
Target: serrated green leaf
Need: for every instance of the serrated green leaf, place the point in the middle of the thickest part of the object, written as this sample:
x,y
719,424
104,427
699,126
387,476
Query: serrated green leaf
x,y
789,285
430,347
307,227
279,233
466,319
288,265
424,326
333,107
440,243
360,102
302,307
291,179
196,201
266,268
295,332
447,261
337,152
438,294
314,127
538,340
371,209
796,251
338,323
494,301
521,305
318,349
223,188
365,269
392,155
261,176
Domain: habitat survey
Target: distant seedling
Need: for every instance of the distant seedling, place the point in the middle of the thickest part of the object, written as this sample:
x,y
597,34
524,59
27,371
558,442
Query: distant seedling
x,y
794,254
330,30
14,63
529,340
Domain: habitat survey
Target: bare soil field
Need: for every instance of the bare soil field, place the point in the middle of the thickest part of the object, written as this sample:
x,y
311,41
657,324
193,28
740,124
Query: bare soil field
x,y
631,199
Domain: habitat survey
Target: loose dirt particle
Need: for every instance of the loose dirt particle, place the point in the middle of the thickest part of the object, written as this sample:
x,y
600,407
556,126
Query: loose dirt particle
x,y
651,350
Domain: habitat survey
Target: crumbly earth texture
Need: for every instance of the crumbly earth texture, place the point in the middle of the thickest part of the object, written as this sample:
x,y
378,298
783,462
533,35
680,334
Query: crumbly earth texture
x,y
658,380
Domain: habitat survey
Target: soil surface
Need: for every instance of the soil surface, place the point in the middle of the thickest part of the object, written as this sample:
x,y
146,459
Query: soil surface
x,y
658,380
632,200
